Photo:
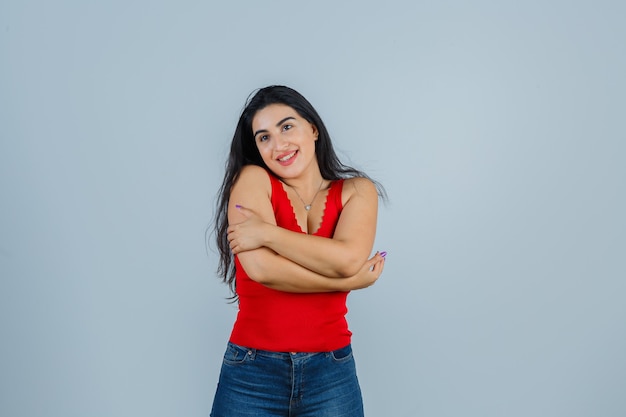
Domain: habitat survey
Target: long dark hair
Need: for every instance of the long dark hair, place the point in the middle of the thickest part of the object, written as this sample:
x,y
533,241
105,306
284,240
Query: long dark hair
x,y
243,151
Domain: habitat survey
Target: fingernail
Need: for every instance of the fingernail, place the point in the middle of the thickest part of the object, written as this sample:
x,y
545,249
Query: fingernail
x,y
383,254
237,206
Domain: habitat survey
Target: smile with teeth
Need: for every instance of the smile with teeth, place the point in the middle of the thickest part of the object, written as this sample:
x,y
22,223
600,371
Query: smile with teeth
x,y
287,157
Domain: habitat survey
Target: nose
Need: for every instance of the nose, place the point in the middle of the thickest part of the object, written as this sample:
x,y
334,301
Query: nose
x,y
281,142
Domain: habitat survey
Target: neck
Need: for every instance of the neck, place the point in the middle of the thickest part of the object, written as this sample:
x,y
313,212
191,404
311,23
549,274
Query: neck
x,y
308,182
307,186
306,203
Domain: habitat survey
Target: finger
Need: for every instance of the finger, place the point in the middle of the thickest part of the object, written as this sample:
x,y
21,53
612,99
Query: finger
x,y
234,248
375,259
378,256
381,267
378,266
245,211
370,262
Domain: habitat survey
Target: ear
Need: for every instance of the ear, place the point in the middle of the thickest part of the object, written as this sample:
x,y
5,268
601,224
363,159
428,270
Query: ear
x,y
316,133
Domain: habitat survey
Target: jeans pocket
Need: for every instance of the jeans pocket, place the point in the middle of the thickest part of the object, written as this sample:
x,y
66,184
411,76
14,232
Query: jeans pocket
x,y
235,354
342,355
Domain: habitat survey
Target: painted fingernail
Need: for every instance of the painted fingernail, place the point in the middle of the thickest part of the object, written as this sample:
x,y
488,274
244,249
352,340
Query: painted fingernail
x,y
383,254
237,206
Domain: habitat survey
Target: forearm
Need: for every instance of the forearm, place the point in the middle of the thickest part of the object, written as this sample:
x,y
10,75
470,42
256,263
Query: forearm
x,y
333,258
352,240
309,261
275,271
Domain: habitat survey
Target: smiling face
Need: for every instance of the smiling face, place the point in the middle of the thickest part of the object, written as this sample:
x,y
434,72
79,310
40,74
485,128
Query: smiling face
x,y
285,140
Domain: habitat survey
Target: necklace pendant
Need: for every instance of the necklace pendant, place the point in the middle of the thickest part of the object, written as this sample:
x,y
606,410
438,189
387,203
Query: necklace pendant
x,y
307,207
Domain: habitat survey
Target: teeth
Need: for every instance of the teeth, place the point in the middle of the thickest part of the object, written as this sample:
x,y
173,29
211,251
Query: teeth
x,y
287,157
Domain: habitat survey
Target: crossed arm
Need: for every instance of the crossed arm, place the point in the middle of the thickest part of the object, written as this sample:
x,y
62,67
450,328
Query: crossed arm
x,y
296,262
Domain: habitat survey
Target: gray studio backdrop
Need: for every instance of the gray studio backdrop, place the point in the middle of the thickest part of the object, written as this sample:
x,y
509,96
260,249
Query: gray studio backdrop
x,y
497,128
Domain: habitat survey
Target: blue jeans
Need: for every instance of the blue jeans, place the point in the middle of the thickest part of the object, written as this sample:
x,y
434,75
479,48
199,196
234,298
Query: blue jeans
x,y
261,383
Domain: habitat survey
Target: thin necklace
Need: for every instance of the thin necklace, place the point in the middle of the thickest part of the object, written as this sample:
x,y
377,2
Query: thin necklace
x,y
307,207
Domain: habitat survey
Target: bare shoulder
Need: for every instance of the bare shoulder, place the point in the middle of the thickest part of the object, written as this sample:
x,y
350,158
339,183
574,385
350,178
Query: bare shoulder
x,y
359,187
252,190
254,172
253,177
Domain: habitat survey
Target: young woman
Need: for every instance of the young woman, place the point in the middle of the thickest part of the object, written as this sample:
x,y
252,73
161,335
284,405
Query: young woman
x,y
295,228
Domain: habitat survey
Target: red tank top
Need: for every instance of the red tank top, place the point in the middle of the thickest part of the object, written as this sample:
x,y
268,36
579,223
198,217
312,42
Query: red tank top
x,y
279,321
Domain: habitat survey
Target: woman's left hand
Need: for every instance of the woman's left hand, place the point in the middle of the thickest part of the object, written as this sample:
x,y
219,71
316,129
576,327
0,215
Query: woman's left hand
x,y
249,234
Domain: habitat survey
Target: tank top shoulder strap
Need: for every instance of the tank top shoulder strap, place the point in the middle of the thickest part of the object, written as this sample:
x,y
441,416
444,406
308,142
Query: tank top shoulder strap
x,y
278,192
334,197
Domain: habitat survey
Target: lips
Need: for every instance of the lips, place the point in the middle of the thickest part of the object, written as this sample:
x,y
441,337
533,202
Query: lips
x,y
287,158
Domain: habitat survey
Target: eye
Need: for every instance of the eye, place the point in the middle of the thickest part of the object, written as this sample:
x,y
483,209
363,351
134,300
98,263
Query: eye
x,y
263,138
287,127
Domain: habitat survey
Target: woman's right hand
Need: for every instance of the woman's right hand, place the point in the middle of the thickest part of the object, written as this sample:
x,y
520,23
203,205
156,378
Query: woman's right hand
x,y
367,275
249,234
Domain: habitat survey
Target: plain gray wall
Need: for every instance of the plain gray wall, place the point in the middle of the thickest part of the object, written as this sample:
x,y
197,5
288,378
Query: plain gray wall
x,y
496,127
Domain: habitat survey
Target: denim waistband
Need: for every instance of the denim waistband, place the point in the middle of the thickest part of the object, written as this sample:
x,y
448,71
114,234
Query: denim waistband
x,y
252,352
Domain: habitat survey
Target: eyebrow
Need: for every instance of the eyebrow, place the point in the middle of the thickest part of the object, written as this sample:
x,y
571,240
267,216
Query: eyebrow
x,y
277,125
